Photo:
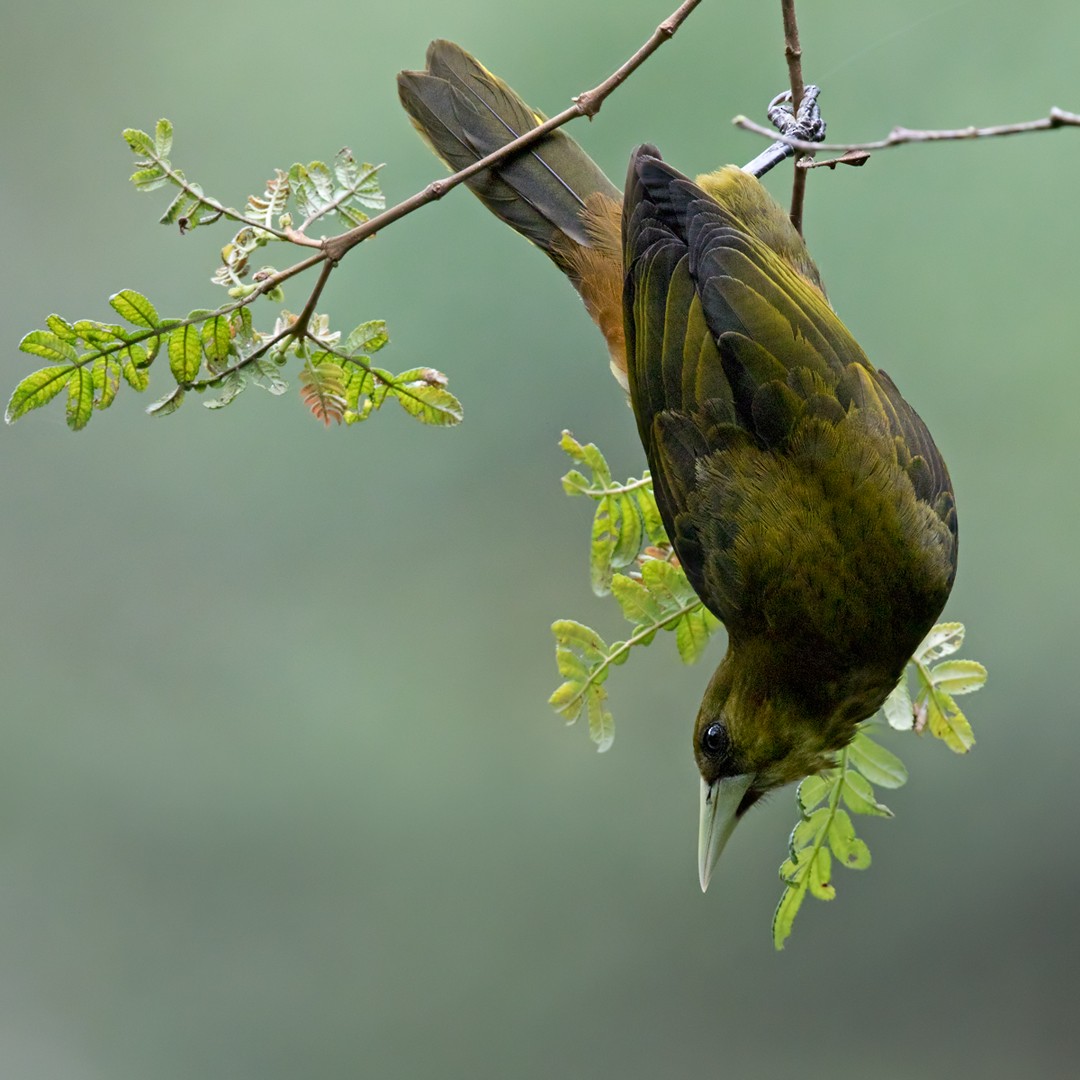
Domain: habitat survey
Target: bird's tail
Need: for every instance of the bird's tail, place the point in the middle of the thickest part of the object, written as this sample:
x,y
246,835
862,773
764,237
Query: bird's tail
x,y
553,193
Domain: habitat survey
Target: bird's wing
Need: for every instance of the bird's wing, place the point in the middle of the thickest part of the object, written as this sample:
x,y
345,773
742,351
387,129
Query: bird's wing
x,y
731,348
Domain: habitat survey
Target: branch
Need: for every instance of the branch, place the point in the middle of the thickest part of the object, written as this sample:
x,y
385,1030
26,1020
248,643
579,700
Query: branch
x,y
793,53
586,104
1056,118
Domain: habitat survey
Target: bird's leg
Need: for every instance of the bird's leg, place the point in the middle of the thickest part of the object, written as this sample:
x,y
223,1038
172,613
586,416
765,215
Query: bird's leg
x,y
806,124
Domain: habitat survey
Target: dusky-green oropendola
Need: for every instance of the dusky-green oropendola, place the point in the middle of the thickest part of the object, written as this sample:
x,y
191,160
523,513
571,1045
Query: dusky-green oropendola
x,y
804,497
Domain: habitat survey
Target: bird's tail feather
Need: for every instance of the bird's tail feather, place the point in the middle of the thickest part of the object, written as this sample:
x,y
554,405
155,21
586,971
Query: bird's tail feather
x,y
465,112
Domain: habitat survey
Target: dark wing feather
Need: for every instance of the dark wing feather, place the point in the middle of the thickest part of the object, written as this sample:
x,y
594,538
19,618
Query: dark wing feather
x,y
730,344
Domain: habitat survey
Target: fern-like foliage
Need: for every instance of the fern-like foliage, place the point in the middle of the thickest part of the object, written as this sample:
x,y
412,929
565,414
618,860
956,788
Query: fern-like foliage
x,y
630,558
653,593
220,353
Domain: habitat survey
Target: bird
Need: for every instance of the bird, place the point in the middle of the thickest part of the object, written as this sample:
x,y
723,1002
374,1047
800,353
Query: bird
x,y
804,498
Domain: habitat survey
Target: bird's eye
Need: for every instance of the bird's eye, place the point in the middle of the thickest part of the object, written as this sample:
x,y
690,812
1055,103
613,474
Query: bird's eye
x,y
715,739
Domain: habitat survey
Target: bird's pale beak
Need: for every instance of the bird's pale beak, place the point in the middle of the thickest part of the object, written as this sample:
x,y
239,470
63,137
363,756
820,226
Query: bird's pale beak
x,y
719,805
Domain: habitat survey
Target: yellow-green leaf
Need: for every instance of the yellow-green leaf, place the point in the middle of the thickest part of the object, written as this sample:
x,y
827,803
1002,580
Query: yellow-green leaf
x,y
878,765
820,875
601,723
185,354
786,910
80,403
134,307
947,722
37,389
858,796
958,676
943,639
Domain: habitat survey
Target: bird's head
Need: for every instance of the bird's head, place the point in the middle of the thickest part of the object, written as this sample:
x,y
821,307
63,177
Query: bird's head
x,y
751,737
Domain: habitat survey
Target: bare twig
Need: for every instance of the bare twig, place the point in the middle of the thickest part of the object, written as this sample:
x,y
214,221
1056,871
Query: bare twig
x,y
586,104
793,53
1056,118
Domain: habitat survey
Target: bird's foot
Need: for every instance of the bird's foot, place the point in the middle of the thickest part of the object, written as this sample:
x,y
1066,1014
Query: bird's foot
x,y
805,123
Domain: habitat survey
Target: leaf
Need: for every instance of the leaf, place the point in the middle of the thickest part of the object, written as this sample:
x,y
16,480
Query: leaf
x,y
149,179
430,404
163,136
601,724
568,700
958,676
943,639
185,354
629,532
845,845
898,709
133,366
812,790
820,874
62,329
49,346
878,765
638,605
216,339
569,632
105,373
80,403
693,631
587,455
134,307
947,722
784,916
859,798
664,579
650,515
139,141
36,390
230,387
322,390
368,337
809,830
602,547
167,405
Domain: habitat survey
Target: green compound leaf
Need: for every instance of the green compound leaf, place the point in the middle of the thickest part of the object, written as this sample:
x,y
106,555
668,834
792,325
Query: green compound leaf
x,y
865,763
655,596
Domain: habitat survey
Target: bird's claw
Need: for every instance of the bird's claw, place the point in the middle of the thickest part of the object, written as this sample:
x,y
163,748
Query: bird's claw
x,y
806,123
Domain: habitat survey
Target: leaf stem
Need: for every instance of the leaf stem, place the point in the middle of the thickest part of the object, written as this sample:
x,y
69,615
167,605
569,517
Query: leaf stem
x,y
625,646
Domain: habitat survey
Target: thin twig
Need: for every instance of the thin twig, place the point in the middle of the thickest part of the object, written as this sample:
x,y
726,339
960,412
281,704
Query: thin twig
x,y
793,54
586,104
1056,118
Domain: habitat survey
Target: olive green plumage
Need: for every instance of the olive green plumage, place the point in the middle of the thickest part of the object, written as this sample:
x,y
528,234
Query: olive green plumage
x,y
805,499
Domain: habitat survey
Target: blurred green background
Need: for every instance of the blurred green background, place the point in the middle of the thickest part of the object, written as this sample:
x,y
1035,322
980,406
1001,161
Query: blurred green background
x,y
281,794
